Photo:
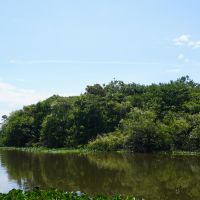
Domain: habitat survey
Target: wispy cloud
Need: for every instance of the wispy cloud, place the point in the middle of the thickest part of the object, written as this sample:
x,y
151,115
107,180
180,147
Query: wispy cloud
x,y
182,40
185,40
13,95
173,70
183,58
180,57
31,62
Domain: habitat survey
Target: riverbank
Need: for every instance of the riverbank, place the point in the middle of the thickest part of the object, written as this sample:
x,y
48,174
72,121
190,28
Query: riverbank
x,y
85,150
54,194
45,150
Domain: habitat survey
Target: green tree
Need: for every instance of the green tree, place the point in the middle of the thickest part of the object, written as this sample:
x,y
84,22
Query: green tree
x,y
144,133
18,129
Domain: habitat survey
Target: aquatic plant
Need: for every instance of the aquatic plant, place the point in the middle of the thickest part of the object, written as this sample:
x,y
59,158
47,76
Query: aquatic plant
x,y
54,195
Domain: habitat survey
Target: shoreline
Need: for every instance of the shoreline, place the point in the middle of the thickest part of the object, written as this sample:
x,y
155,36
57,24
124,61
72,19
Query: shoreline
x,y
84,150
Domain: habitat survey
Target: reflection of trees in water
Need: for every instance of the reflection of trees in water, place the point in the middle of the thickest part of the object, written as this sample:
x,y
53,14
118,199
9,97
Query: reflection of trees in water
x,y
154,176
148,176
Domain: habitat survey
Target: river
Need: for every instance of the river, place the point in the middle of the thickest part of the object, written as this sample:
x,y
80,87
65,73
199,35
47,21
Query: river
x,y
146,176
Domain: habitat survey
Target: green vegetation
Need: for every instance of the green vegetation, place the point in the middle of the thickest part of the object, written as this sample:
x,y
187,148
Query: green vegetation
x,y
117,116
52,195
47,150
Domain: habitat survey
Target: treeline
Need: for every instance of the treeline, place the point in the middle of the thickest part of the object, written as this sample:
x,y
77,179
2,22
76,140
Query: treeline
x,y
157,117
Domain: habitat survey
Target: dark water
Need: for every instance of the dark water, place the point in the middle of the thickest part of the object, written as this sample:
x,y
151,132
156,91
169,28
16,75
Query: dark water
x,y
143,176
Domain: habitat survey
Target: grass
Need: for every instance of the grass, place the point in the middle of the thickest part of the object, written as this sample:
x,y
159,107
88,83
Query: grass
x,y
185,153
85,150
55,150
54,195
45,150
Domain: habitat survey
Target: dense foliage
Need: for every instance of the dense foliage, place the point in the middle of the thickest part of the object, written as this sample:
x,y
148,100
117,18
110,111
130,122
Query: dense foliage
x,y
157,117
52,195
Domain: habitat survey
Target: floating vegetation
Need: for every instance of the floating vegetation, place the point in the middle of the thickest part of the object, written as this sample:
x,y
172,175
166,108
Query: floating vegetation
x,y
55,195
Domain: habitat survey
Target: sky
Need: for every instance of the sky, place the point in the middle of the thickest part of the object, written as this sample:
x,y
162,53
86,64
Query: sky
x,y
60,46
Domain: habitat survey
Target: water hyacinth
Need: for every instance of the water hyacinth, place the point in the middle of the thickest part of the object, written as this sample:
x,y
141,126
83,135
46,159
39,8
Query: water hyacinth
x,y
52,194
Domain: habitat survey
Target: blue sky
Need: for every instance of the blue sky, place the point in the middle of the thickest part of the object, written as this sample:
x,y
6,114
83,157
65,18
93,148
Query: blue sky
x,y
59,46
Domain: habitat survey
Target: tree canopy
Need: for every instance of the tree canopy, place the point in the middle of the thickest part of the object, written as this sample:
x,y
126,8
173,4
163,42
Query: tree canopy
x,y
141,118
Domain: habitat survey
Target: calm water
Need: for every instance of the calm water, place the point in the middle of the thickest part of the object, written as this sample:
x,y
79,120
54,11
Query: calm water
x,y
143,176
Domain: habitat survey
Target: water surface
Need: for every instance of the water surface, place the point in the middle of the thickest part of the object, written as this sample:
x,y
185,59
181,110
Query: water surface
x,y
144,176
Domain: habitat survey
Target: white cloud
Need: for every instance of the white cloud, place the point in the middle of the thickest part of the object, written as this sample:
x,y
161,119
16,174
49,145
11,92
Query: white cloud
x,y
185,40
182,40
181,57
13,98
31,62
174,70
13,95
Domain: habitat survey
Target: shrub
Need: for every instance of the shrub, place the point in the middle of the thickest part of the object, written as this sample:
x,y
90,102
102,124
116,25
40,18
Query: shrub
x,y
194,139
54,194
110,142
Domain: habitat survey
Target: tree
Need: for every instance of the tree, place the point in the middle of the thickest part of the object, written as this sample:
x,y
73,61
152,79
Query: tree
x,y
18,129
147,118
56,127
144,133
95,90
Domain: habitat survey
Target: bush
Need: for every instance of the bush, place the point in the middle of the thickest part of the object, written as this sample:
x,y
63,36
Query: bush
x,y
180,130
54,194
110,142
194,139
148,138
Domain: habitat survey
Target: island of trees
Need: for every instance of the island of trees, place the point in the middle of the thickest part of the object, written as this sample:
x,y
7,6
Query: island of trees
x,y
116,116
